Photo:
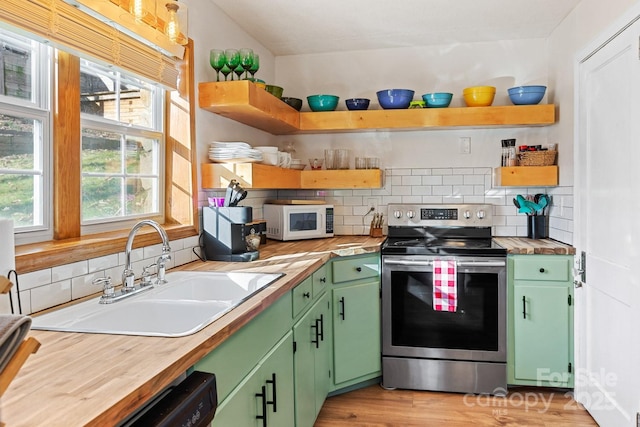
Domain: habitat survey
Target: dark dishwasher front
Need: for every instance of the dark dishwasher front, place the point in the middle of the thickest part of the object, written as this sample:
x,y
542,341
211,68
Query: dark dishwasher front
x,y
192,402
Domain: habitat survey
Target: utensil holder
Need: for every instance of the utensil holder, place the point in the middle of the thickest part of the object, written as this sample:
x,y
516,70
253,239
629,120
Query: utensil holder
x,y
375,232
537,227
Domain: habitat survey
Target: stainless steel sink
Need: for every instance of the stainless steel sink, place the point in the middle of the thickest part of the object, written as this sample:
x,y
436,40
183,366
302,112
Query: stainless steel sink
x,y
186,304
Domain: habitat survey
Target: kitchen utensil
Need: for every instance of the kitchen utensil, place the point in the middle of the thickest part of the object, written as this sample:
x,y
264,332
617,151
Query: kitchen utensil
x,y
515,202
229,192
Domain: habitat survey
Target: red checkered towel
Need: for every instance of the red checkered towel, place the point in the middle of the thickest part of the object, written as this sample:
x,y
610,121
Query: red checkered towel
x,y
445,294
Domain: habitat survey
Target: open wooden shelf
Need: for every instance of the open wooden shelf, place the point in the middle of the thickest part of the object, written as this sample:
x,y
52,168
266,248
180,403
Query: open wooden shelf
x,y
256,175
526,176
246,103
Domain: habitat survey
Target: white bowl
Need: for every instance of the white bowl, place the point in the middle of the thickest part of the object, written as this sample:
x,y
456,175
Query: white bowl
x,y
297,166
267,149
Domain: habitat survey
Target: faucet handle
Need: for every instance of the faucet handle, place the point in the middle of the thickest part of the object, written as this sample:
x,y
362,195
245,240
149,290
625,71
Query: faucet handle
x,y
107,287
145,279
162,268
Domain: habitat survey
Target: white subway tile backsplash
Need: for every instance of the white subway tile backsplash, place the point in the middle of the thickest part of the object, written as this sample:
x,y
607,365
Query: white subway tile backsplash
x,y
432,180
34,279
51,295
103,262
45,288
453,180
68,271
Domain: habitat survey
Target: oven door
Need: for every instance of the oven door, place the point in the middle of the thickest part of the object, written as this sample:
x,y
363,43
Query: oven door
x,y
412,328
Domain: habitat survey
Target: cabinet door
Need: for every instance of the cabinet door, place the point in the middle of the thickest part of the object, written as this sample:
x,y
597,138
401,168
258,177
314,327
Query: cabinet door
x,y
241,406
356,331
312,362
304,333
276,373
254,398
541,333
323,353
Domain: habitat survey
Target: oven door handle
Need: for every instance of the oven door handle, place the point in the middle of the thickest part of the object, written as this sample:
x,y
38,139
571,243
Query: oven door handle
x,y
458,263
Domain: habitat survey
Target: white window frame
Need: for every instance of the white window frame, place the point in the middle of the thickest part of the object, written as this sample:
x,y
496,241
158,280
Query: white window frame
x,y
37,108
156,132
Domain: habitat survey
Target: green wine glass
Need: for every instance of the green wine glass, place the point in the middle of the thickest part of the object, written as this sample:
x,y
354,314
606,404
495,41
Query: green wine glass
x,y
246,60
226,71
217,59
239,70
233,59
255,65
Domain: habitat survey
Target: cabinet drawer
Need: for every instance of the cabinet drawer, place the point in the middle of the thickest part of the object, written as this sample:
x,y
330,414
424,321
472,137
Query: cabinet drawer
x,y
547,268
347,270
319,281
302,296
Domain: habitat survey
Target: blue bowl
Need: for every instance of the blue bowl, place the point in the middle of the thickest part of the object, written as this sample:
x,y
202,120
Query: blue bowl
x,y
395,98
437,99
357,103
526,95
322,102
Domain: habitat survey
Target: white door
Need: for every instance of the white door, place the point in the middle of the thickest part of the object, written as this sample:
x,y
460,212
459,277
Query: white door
x,y
607,196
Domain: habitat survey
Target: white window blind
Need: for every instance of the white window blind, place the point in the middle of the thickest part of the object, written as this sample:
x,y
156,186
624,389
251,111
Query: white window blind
x,y
77,32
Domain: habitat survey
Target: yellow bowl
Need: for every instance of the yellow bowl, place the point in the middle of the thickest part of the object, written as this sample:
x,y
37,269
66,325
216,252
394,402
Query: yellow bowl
x,y
479,96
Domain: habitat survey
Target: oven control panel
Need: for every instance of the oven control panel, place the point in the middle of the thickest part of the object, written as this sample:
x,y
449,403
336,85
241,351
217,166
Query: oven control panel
x,y
475,215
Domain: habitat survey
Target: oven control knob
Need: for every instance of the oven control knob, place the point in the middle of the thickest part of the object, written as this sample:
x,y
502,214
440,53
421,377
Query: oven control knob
x,y
410,214
480,214
397,214
467,214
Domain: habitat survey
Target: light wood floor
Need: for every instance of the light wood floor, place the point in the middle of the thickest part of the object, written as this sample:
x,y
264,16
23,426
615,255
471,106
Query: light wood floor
x,y
523,406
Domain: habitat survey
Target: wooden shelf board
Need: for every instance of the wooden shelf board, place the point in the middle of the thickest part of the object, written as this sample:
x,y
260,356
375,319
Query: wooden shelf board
x,y
343,178
420,118
249,175
256,175
245,102
524,176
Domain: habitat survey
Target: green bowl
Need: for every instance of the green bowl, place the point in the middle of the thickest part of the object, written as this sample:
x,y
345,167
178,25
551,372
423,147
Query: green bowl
x,y
275,90
323,102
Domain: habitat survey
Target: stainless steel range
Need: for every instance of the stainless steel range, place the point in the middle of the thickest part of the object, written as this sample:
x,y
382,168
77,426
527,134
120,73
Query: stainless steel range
x,y
443,300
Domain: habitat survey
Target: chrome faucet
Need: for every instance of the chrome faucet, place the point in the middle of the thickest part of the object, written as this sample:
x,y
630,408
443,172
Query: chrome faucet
x,y
128,276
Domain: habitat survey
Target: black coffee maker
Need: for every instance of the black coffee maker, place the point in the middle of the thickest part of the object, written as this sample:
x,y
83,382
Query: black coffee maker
x,y
225,232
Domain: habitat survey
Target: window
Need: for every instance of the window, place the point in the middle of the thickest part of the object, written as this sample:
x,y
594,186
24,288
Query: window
x,y
63,118
24,132
122,136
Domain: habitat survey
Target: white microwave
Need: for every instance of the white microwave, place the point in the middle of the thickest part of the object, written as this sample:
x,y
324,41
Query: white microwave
x,y
298,221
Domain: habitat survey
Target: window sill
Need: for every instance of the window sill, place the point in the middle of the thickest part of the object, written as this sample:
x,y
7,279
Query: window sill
x,y
38,256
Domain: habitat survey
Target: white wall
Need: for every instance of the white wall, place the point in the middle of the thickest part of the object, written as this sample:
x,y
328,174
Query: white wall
x,y
448,68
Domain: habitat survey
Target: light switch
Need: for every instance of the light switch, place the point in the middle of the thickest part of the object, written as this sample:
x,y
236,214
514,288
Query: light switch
x,y
465,145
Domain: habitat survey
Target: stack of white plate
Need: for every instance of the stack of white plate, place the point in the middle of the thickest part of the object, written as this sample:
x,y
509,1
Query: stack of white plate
x,y
226,152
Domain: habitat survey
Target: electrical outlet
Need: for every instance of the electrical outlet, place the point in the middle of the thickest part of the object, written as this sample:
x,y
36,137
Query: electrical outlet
x,y
465,145
372,204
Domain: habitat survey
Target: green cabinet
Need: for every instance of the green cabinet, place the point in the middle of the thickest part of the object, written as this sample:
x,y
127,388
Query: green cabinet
x,y
312,367
266,395
540,313
356,320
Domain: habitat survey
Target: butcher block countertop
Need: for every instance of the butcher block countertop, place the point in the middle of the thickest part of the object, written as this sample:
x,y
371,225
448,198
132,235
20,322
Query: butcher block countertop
x,y
78,379
524,246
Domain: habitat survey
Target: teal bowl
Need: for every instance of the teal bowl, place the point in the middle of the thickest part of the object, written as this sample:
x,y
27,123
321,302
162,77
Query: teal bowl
x,y
323,102
437,99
